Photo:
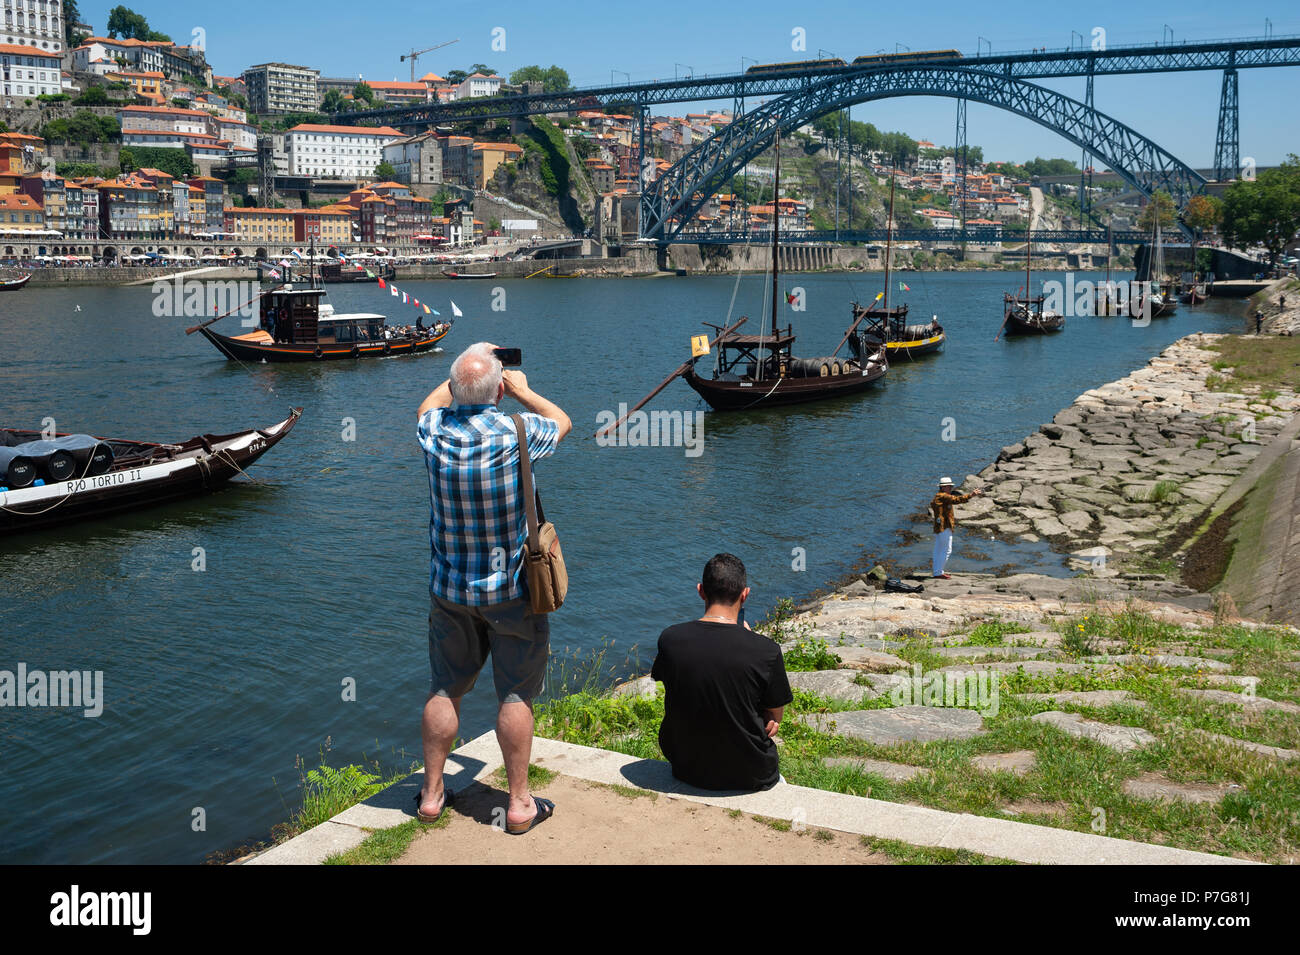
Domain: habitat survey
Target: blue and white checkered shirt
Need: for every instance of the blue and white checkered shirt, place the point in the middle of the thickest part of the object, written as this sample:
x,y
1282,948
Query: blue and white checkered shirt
x,y
477,523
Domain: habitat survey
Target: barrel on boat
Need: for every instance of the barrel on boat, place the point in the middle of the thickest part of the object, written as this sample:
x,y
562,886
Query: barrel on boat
x,y
811,367
16,469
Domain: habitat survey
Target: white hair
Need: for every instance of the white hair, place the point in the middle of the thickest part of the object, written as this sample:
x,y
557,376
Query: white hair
x,y
476,375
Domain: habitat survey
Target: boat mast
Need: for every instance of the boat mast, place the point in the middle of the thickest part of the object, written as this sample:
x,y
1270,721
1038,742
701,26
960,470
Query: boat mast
x,y
776,222
1029,247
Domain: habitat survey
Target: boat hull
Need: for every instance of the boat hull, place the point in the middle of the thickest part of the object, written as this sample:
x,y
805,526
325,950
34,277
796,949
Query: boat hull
x,y
13,285
237,349
198,466
739,395
915,347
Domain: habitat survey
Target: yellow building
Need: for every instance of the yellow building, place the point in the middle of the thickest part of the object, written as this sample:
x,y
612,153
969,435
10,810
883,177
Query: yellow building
x,y
20,212
148,83
488,156
261,225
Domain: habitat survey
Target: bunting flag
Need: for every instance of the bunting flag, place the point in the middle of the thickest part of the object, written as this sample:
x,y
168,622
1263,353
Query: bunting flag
x,y
381,282
296,254
371,275
454,310
393,289
790,298
404,302
434,310
902,287
427,310
879,296
275,274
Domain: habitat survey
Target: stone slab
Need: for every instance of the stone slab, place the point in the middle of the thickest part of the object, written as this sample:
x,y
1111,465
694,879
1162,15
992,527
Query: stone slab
x,y
1241,699
1161,788
1121,739
1086,697
1171,660
1020,762
894,772
833,685
900,724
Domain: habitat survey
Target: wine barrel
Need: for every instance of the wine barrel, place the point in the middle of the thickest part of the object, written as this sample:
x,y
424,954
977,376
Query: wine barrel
x,y
59,466
16,469
811,367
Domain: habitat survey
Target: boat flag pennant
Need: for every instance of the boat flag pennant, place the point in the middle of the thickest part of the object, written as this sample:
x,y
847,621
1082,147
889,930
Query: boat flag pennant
x,y
454,310
879,296
699,345
382,284
393,289
404,300
433,310
371,275
790,298
275,274
296,254
427,310
903,287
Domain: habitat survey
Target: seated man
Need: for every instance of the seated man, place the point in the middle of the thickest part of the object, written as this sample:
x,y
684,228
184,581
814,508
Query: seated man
x,y
726,689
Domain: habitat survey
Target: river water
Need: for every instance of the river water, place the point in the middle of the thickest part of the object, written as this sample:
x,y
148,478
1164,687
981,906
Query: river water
x,y
216,682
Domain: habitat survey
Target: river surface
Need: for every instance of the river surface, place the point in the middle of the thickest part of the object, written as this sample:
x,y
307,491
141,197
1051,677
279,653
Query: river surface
x,y
219,682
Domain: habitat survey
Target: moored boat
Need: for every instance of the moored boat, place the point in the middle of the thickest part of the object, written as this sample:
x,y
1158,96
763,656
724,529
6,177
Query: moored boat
x,y
45,482
295,325
1026,316
469,275
13,285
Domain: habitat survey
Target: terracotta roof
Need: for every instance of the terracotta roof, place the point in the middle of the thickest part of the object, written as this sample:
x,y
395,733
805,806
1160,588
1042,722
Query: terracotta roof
x,y
15,49
19,200
352,130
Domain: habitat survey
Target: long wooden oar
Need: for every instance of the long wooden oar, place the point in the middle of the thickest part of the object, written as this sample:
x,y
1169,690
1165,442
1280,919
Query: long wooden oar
x,y
191,331
850,332
667,381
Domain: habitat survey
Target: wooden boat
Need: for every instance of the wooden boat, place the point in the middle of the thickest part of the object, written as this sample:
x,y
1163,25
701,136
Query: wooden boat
x,y
109,475
296,326
1024,314
469,275
1195,294
761,370
1160,305
334,272
887,327
13,285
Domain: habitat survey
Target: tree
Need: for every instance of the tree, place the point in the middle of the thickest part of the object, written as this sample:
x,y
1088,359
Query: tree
x,y
363,93
71,16
483,68
92,96
553,80
1265,211
456,77
1051,167
1161,208
333,102
1203,213
125,22
385,171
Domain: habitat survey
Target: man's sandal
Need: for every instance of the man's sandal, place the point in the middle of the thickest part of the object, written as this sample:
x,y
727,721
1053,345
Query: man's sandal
x,y
545,809
448,798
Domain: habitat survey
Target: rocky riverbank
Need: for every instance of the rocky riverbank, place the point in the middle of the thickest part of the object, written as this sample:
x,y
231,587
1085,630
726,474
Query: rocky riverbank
x,y
1122,477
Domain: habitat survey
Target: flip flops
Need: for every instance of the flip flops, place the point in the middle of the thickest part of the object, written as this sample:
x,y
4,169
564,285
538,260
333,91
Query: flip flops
x,y
545,809
448,798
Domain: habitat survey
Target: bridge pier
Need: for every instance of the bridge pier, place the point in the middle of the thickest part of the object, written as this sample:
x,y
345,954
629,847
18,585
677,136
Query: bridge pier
x,y
1227,151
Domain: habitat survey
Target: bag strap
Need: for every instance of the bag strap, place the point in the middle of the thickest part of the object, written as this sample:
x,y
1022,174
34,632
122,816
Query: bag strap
x,y
526,482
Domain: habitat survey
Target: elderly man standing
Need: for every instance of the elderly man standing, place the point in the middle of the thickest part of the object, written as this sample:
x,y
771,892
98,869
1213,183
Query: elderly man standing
x,y
478,592
944,521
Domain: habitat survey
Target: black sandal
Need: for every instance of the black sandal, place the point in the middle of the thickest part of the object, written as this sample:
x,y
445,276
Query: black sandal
x,y
448,798
545,809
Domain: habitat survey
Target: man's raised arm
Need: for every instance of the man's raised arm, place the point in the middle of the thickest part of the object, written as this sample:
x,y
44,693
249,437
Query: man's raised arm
x,y
516,383
440,397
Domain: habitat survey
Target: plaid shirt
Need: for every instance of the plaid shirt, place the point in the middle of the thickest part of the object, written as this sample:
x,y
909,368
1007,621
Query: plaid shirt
x,y
477,522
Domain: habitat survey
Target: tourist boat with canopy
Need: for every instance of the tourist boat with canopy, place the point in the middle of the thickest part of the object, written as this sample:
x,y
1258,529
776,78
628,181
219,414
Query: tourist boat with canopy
x,y
48,480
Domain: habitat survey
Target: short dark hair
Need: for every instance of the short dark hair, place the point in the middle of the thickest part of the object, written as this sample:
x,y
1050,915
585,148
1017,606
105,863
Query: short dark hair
x,y
724,579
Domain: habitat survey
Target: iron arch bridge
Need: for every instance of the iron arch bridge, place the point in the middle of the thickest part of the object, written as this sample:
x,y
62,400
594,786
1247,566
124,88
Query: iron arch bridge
x,y
671,201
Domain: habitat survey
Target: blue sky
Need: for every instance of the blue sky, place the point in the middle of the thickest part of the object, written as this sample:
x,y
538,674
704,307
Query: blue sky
x,y
651,40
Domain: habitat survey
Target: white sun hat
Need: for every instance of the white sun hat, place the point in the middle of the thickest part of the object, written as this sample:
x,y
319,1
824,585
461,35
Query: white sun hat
x,y
945,480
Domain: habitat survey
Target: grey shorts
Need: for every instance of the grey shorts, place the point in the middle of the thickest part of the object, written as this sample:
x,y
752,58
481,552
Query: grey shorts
x,y
461,638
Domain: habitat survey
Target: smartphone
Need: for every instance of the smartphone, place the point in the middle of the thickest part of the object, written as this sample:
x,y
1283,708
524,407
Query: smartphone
x,y
510,357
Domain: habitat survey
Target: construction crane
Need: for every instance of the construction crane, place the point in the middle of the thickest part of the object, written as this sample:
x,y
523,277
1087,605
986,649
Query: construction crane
x,y
416,54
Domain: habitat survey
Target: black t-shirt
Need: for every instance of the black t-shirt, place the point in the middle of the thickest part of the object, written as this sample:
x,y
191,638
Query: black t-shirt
x,y
718,677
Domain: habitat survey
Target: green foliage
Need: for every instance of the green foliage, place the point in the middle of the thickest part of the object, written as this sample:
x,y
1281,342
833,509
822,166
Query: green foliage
x,y
82,129
811,655
289,120
80,170
1161,205
1050,167
92,96
992,633
53,98
126,23
385,171
544,140
553,79
327,791
385,845
174,162
362,93
1265,211
333,102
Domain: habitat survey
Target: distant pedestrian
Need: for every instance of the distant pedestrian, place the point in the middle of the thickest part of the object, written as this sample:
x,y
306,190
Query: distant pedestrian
x,y
479,597
1259,321
944,522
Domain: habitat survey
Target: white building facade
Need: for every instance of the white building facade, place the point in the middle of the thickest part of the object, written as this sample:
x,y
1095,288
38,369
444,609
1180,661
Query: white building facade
x,y
347,152
26,72
35,23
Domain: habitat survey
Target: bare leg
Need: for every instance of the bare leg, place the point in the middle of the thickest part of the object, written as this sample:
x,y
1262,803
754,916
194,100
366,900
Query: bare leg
x,y
515,734
438,728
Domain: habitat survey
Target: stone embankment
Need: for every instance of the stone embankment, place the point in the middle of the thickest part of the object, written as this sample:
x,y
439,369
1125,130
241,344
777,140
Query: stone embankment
x,y
1280,304
1122,476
